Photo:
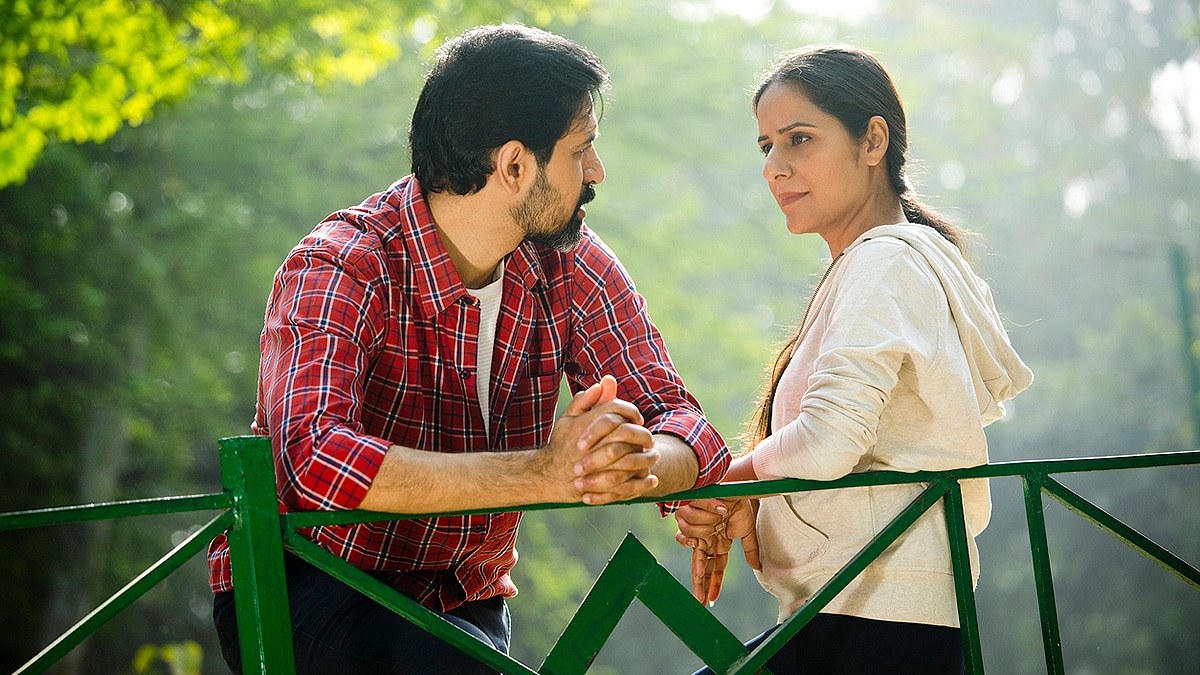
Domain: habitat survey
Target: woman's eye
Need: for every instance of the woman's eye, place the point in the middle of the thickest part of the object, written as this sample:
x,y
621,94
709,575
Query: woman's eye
x,y
765,148
797,139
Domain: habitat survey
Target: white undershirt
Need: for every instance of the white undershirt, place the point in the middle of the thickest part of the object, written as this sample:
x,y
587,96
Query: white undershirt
x,y
489,314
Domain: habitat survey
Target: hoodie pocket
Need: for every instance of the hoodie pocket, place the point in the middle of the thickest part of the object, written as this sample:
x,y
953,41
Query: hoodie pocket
x,y
787,543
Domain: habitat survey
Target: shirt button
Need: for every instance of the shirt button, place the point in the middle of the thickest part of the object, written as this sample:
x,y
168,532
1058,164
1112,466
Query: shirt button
x,y
464,374
479,528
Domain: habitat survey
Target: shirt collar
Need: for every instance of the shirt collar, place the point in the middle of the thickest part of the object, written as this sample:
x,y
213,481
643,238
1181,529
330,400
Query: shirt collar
x,y
437,281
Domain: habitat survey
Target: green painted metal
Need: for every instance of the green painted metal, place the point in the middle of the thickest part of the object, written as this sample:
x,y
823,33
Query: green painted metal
x,y
964,585
588,630
633,573
17,520
689,620
754,488
1131,537
1042,577
404,606
256,556
766,649
258,534
125,597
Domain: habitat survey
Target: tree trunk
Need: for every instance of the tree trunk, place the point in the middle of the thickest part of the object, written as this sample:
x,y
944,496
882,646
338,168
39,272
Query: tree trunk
x,y
84,549
77,586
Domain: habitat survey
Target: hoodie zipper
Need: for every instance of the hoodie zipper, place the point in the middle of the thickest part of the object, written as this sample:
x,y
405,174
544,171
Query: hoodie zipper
x,y
812,300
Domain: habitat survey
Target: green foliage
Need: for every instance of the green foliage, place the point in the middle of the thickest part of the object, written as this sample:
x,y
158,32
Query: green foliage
x,y
182,658
133,274
77,70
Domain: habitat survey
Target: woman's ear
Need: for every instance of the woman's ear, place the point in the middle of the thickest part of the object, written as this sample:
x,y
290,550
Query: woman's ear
x,y
516,167
876,140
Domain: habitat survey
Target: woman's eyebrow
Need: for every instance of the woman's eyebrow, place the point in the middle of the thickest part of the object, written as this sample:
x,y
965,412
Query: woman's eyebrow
x,y
788,128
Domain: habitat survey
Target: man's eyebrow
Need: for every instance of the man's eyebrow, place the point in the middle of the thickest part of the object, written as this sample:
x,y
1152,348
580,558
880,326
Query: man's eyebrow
x,y
788,128
590,139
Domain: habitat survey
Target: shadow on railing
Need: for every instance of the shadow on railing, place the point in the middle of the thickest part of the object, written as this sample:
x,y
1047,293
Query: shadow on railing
x,y
258,534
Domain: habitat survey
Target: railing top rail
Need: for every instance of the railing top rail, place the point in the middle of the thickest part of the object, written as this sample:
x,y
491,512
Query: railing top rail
x,y
768,487
58,515
213,501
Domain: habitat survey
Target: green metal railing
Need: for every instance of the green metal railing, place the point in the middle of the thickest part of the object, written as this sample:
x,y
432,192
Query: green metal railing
x,y
258,535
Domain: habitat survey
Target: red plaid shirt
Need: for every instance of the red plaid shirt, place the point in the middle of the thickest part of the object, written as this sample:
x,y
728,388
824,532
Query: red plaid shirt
x,y
370,340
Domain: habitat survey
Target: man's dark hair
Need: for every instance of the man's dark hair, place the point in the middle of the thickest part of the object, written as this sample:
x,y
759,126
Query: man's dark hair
x,y
491,85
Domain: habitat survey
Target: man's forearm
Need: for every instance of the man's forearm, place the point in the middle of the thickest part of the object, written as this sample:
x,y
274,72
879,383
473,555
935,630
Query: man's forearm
x,y
414,481
677,468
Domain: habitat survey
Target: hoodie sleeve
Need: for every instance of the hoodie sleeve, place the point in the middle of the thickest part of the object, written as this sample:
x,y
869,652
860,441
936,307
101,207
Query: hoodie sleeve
x,y
880,315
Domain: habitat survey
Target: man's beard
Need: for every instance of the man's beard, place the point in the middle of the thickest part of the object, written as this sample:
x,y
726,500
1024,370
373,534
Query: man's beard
x,y
532,213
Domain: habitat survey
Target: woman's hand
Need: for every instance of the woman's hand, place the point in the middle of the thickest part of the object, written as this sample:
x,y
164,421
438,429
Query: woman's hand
x,y
708,527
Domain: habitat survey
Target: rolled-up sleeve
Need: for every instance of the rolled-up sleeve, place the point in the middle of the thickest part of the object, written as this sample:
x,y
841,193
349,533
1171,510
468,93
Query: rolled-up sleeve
x,y
316,340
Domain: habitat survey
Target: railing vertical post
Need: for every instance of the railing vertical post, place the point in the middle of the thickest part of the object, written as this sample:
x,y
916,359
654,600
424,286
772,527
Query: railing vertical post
x,y
256,554
964,584
1040,550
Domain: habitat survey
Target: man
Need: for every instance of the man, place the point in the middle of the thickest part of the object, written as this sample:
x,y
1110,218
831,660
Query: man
x,y
413,350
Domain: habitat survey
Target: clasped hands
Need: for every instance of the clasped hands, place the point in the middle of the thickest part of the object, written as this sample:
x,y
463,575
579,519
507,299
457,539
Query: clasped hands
x,y
708,527
601,445
611,454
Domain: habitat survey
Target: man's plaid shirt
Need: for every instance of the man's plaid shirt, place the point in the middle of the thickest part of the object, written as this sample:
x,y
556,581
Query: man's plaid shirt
x,y
370,341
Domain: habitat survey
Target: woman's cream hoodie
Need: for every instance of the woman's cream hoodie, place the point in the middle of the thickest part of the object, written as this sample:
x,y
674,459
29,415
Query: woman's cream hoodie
x,y
902,361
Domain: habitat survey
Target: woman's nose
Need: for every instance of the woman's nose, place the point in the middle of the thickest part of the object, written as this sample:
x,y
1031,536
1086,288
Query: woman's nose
x,y
774,168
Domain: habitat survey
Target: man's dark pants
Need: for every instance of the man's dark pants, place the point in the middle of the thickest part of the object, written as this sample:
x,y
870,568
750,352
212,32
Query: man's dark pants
x,y
336,629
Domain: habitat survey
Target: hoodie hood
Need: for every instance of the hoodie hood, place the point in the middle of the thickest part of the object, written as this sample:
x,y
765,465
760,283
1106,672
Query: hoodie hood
x,y
997,370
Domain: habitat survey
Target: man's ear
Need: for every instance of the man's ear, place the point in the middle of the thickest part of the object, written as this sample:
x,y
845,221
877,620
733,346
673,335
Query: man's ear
x,y
876,140
516,167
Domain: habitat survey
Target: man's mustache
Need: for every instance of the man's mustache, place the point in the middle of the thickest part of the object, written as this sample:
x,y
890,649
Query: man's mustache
x,y
587,194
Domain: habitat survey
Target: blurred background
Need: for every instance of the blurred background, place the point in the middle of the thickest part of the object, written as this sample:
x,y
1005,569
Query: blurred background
x,y
159,159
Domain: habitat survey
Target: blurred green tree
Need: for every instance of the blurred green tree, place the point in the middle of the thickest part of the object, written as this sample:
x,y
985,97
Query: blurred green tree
x,y
134,270
133,274
78,70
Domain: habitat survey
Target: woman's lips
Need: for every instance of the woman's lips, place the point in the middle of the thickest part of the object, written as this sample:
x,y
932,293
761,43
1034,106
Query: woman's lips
x,y
786,198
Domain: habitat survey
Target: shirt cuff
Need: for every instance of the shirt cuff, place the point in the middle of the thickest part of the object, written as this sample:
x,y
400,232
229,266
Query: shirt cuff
x,y
712,457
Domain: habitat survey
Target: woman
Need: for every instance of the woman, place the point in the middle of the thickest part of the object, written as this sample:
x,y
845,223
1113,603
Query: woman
x,y
898,364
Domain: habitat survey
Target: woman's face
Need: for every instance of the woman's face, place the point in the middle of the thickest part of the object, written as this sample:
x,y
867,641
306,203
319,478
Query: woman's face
x,y
813,166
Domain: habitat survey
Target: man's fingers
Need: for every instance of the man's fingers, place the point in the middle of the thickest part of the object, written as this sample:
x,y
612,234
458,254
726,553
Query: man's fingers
x,y
585,400
700,512
630,488
632,465
608,388
627,448
606,418
699,518
599,393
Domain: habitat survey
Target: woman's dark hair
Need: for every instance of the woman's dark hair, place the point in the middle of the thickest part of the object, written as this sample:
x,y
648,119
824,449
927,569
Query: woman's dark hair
x,y
851,85
491,85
